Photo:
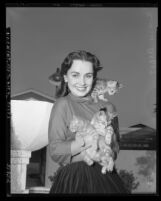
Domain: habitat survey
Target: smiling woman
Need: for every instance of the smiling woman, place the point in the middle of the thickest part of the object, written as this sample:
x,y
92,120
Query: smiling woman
x,y
76,175
79,69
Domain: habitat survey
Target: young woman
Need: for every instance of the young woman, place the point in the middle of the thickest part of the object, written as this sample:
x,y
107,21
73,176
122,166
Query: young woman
x,y
78,73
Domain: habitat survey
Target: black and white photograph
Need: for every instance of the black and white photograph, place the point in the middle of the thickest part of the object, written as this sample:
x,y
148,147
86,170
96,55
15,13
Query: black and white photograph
x,y
83,100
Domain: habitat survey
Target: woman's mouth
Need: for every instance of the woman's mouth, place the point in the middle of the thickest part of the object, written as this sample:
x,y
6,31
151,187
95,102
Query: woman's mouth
x,y
81,88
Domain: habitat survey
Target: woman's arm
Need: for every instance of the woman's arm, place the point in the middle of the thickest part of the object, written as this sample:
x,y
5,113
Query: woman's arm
x,y
62,148
59,144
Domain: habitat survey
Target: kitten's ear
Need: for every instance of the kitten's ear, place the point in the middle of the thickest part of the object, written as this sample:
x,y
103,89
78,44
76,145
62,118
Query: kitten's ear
x,y
121,85
104,109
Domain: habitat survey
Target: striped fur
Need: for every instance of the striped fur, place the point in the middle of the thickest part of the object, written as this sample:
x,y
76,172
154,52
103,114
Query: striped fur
x,y
104,86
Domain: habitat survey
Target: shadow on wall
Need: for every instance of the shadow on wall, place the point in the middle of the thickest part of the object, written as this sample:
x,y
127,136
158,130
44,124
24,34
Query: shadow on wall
x,y
147,166
138,169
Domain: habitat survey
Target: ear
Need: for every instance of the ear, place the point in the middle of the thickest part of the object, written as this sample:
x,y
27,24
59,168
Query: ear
x,y
65,78
121,85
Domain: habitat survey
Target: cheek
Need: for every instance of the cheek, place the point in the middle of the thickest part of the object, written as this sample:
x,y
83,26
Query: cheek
x,y
71,81
89,82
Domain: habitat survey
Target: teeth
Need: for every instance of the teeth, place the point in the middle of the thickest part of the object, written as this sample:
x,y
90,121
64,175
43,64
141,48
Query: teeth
x,y
81,88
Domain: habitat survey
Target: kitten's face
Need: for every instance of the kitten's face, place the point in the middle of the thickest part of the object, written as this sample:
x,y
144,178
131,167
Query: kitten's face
x,y
102,116
99,120
112,87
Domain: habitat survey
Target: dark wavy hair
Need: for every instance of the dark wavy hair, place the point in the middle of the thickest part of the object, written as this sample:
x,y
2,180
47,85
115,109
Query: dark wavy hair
x,y
67,63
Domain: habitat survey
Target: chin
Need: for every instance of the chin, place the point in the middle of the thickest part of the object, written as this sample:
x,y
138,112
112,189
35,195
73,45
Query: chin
x,y
81,94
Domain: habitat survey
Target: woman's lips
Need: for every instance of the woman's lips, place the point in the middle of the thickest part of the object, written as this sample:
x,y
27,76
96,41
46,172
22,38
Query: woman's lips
x,y
81,88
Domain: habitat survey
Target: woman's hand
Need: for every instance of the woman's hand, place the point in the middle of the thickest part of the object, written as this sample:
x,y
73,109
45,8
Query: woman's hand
x,y
78,157
78,146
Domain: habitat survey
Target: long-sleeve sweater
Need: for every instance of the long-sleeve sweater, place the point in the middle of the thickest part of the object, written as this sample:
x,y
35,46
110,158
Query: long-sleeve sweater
x,y
60,137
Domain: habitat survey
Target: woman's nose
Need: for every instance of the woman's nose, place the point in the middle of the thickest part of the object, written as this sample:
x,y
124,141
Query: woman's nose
x,y
82,80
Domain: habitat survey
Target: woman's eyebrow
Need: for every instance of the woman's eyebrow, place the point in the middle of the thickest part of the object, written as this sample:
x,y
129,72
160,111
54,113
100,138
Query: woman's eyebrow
x,y
75,72
89,74
79,73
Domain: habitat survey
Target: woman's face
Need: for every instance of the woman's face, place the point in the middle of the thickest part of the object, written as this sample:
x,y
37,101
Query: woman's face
x,y
80,78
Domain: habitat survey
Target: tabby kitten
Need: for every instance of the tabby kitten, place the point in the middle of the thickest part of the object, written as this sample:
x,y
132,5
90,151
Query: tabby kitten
x,y
98,134
103,86
85,130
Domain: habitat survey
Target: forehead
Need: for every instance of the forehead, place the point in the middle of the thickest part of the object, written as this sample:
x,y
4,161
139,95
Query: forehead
x,y
112,83
81,67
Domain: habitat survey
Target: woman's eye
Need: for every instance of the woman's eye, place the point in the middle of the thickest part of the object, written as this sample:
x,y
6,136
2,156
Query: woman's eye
x,y
89,76
74,75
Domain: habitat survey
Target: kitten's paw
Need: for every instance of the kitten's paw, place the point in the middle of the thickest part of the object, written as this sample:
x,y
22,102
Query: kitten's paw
x,y
88,161
103,170
110,165
104,99
108,139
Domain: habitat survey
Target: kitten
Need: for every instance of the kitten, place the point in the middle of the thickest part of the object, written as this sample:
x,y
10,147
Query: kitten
x,y
102,123
103,86
105,152
98,134
85,130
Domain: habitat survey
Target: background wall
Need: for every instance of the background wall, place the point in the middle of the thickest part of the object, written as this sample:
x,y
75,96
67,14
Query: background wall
x,y
142,164
124,39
